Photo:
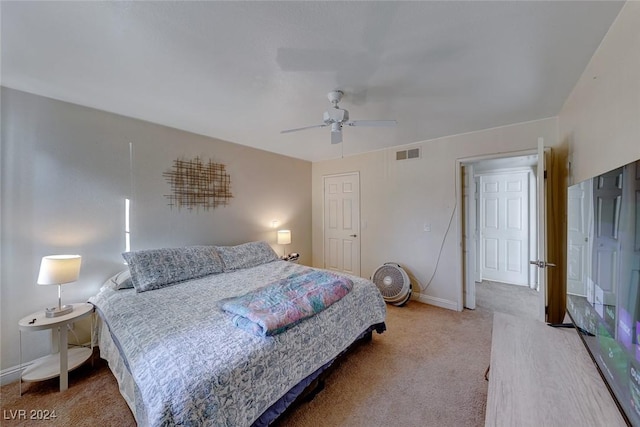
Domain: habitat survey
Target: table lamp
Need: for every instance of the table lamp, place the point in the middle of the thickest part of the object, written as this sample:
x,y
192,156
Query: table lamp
x,y
284,238
58,270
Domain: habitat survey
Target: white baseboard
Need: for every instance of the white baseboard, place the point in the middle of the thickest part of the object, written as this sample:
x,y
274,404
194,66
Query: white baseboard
x,y
438,302
13,373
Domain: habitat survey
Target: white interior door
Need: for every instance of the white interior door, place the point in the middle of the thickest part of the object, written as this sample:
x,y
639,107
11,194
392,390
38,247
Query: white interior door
x,y
504,200
342,223
476,229
541,261
469,209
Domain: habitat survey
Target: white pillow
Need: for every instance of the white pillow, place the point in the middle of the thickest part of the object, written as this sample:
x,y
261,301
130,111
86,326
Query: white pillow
x,y
121,280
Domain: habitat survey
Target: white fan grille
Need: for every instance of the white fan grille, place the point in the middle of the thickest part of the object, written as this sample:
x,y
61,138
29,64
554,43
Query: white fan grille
x,y
393,283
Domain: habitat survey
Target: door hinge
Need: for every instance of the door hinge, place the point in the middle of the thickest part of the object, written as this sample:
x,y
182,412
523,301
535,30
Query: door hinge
x,y
545,174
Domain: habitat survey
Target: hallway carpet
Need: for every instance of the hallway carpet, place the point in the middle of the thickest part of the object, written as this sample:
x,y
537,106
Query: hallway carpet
x,y
520,301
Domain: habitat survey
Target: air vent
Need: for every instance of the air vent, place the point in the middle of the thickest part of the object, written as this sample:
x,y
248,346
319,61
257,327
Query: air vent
x,y
412,153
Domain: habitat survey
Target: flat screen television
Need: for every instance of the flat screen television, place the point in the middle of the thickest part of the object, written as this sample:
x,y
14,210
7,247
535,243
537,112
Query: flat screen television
x,y
603,278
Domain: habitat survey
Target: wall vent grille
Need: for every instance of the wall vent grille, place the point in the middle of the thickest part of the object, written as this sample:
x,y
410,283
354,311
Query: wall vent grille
x,y
412,153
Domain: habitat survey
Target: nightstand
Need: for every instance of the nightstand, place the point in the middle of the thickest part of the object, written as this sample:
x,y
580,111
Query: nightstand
x,y
57,364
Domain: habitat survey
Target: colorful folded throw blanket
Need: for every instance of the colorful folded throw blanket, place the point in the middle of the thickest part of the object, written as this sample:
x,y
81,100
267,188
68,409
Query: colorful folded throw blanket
x,y
278,306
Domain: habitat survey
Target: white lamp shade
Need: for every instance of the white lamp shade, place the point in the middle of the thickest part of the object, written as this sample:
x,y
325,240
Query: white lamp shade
x,y
284,237
59,269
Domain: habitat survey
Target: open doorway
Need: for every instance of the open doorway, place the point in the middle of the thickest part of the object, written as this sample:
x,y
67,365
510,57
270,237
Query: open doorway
x,y
500,216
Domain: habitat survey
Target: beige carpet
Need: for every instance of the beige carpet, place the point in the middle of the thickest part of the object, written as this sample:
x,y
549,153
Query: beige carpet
x,y
520,301
426,370
92,399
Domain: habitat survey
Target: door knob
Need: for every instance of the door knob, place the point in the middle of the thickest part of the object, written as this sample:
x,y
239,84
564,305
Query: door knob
x,y
541,264
353,235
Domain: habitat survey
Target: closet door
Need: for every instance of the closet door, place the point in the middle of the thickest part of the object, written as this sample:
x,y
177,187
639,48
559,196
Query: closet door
x,y
342,223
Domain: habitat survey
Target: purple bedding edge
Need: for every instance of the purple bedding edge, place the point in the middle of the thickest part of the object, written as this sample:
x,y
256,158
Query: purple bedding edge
x,y
278,408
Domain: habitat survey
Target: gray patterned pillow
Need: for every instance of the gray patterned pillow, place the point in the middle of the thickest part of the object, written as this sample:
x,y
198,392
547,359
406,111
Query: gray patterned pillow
x,y
246,255
156,268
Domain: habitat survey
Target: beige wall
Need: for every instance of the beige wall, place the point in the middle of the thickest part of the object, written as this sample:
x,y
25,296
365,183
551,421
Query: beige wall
x,y
65,174
600,120
399,197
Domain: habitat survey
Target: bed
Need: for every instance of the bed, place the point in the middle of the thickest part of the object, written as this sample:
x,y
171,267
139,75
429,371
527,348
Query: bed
x,y
180,359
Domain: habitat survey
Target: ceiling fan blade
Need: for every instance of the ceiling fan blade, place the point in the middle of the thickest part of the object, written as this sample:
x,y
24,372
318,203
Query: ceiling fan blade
x,y
306,127
336,136
377,123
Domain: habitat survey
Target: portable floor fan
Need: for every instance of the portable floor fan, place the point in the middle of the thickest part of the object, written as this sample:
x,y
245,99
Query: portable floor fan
x,y
393,283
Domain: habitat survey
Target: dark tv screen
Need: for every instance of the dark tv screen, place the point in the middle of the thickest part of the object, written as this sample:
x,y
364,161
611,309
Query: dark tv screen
x,y
603,278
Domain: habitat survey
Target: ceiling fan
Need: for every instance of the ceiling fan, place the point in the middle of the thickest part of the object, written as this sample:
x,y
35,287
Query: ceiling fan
x,y
337,118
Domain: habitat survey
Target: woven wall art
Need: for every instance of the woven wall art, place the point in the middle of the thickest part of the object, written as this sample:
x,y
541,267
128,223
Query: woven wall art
x,y
196,185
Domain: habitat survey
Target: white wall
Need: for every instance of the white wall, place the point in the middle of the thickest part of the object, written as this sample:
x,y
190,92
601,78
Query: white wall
x,y
65,175
399,197
600,120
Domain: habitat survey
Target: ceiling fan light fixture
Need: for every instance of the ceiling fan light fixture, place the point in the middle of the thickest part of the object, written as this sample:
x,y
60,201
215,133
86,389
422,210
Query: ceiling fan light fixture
x,y
336,137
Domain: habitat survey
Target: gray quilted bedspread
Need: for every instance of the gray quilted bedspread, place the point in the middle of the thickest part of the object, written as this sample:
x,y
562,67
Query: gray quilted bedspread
x,y
193,367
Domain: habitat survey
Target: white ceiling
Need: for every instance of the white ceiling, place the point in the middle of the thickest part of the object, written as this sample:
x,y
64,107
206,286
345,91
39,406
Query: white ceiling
x,y
244,71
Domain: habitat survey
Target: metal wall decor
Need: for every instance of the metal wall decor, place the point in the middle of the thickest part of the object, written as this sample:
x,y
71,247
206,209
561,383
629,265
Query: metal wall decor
x,y
196,185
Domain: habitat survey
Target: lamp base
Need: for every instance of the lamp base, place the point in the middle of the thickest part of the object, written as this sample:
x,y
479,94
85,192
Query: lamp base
x,y
58,311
